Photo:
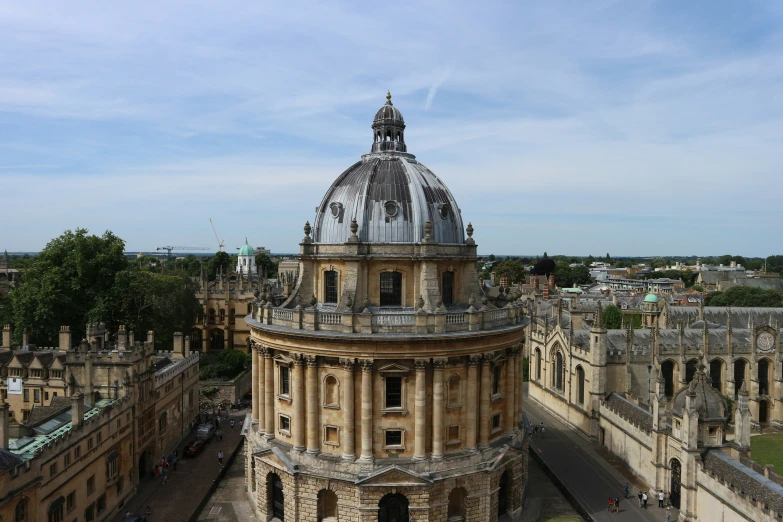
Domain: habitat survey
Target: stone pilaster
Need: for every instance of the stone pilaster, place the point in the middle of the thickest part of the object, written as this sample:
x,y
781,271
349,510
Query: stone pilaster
x,y
256,362
299,399
420,412
508,399
519,379
437,408
484,407
349,424
313,424
472,401
366,409
269,394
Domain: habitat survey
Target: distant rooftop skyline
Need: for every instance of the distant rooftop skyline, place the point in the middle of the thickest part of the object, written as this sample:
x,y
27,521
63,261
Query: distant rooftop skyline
x,y
632,128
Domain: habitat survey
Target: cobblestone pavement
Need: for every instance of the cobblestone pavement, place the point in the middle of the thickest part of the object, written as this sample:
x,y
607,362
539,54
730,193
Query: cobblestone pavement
x,y
229,503
587,474
178,498
543,500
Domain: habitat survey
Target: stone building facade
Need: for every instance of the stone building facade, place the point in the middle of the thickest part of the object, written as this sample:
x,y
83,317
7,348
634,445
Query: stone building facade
x,y
81,453
384,388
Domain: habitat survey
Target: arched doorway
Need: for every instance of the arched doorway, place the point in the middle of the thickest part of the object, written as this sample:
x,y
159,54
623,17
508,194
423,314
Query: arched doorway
x,y
739,375
716,374
503,490
763,412
327,505
667,371
764,376
276,499
196,340
393,508
216,338
674,486
690,370
457,510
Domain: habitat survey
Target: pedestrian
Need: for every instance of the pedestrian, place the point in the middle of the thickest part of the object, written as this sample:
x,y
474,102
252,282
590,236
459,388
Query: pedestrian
x,y
232,424
535,431
626,490
610,505
617,505
668,514
639,496
542,429
660,499
127,514
165,474
644,500
669,498
220,456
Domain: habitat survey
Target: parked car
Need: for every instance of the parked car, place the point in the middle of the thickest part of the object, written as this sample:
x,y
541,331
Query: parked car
x,y
205,432
194,448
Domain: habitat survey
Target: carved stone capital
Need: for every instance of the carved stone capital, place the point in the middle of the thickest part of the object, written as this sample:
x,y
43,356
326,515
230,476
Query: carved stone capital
x,y
513,351
439,364
474,360
298,358
311,361
266,352
366,364
420,364
347,364
486,358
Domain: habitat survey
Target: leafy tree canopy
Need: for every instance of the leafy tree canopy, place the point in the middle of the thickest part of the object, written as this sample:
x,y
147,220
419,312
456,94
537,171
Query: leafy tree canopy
x,y
219,260
580,275
544,266
563,275
613,317
744,296
266,265
491,257
227,365
515,270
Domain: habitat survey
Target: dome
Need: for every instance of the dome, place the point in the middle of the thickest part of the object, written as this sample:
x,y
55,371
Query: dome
x,y
246,250
651,298
389,194
704,398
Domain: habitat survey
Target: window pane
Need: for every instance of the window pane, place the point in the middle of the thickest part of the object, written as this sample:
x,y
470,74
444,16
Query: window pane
x,y
284,381
330,290
391,289
394,392
394,438
447,290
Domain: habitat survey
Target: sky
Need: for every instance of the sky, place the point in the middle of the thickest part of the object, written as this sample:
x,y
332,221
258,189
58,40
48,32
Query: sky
x,y
634,128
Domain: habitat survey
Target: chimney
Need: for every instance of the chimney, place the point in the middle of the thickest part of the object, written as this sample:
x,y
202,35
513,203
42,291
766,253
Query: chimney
x,y
77,409
131,339
187,345
7,334
178,345
151,339
552,281
88,376
65,338
122,338
25,338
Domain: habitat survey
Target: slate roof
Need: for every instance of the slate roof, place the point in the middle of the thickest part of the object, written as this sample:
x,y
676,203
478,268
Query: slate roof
x,y
710,404
40,414
629,411
744,479
740,316
8,460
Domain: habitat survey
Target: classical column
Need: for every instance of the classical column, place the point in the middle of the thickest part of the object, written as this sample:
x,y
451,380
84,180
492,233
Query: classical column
x,y
510,397
349,424
269,394
299,403
519,380
437,408
313,424
420,420
484,410
472,401
254,375
366,409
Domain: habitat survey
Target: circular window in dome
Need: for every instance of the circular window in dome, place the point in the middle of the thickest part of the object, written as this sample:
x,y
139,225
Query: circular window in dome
x,y
391,208
444,211
335,208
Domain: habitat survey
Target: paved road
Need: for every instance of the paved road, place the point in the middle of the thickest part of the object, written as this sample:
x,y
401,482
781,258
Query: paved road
x,y
229,503
587,475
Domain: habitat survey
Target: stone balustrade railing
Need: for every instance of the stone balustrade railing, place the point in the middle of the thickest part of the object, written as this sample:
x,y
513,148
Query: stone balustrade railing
x,y
399,322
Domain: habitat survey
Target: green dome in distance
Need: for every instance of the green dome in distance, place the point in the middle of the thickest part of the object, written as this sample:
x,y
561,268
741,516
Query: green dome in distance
x,y
651,298
246,250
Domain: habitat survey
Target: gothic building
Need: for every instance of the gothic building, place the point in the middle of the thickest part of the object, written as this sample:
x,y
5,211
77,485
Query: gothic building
x,y
384,387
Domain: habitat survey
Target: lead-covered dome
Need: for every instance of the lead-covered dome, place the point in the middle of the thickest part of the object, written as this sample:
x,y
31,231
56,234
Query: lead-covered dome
x,y
389,194
710,404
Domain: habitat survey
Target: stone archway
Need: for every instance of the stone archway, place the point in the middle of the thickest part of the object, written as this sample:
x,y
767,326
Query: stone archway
x,y
393,508
667,372
275,497
216,339
504,488
674,483
763,412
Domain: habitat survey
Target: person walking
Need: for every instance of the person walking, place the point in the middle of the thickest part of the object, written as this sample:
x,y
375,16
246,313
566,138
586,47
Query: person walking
x,y
220,456
660,499
165,474
232,424
542,429
617,505
668,514
644,499
626,490
639,496
610,505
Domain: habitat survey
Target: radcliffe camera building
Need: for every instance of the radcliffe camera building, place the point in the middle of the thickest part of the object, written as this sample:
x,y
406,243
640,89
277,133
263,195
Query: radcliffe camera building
x,y
385,387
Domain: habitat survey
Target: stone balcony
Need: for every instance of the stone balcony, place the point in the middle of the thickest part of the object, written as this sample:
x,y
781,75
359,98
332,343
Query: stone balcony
x,y
376,320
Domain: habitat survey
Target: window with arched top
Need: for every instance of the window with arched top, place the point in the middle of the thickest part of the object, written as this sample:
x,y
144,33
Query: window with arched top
x,y
327,505
457,510
222,315
21,512
391,289
558,370
55,512
211,315
690,370
331,392
580,384
538,364
454,398
330,286
447,287
764,376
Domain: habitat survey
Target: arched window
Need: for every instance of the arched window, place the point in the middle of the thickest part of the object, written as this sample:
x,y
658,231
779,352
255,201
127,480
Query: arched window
x,y
20,515
327,505
391,289
580,383
275,499
56,510
330,286
454,392
716,374
447,288
667,371
331,395
457,510
538,364
739,375
764,376
503,493
557,371
690,370
393,508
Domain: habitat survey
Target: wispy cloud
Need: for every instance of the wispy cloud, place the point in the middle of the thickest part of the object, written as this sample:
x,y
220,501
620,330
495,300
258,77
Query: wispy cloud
x,y
434,88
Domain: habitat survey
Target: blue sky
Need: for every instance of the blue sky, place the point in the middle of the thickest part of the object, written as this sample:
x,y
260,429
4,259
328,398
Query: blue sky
x,y
637,128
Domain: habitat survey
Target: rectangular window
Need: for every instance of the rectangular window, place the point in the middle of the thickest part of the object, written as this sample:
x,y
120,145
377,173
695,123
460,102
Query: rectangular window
x,y
52,469
393,438
89,444
89,513
331,436
496,379
285,424
330,286
46,396
70,501
391,289
98,437
36,395
393,392
78,451
496,422
453,435
447,288
67,459
26,395
285,380
102,503
91,484
111,468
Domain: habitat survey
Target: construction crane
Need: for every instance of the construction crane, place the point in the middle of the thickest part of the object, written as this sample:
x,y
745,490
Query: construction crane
x,y
221,243
168,250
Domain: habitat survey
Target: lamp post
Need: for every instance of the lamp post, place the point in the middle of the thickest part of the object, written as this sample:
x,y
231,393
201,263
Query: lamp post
x,y
649,374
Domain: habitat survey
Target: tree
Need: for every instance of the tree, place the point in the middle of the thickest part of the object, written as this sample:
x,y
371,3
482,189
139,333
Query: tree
x,y
613,317
219,260
563,277
744,296
266,265
544,266
68,283
515,270
580,275
491,257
